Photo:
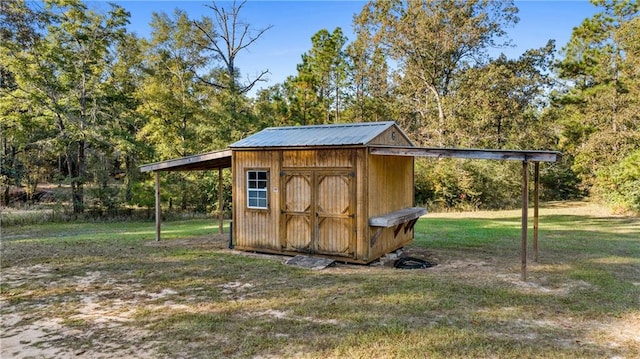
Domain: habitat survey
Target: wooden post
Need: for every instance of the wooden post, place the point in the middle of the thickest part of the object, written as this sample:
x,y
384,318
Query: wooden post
x,y
536,202
158,212
525,214
220,203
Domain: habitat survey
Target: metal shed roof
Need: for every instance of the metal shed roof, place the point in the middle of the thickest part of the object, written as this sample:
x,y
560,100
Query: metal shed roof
x,y
203,161
316,135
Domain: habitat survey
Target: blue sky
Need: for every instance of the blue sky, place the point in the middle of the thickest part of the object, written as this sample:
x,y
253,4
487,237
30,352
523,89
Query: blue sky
x,y
295,22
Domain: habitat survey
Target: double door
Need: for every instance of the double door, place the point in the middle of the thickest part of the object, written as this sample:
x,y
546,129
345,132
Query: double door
x,y
318,212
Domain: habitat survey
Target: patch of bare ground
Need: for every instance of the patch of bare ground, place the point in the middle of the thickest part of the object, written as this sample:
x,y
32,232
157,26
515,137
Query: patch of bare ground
x,y
94,324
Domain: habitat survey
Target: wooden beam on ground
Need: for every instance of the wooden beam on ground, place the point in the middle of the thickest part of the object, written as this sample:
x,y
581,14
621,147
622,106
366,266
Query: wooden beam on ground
x,y
525,215
536,203
468,153
220,203
158,212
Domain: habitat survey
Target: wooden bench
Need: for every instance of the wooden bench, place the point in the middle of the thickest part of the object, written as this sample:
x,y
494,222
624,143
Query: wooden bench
x,y
404,218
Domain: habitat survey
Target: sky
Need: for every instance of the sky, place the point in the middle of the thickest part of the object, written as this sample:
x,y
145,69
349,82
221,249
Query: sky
x,y
294,23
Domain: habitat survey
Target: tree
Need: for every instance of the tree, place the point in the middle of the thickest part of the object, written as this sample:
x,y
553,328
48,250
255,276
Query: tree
x,y
319,93
172,98
430,43
500,104
326,65
123,146
271,107
369,72
600,104
61,76
20,26
226,39
306,107
226,36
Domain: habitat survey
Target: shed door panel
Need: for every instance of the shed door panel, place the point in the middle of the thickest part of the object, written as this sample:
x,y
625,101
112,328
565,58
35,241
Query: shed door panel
x,y
297,211
334,214
318,212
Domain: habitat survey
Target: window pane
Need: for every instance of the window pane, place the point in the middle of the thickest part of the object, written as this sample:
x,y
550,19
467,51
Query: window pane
x,y
257,182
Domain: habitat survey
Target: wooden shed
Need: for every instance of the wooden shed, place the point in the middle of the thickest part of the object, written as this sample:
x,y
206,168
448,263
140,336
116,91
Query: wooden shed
x,y
318,190
343,191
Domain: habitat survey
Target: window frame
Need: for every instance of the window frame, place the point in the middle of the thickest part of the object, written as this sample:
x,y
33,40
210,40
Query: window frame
x,y
253,193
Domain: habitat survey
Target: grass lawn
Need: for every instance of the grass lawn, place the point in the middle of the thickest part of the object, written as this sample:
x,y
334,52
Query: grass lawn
x,y
108,290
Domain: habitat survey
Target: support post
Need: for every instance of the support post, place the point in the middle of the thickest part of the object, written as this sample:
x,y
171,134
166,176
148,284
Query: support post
x,y
525,214
220,203
158,212
536,203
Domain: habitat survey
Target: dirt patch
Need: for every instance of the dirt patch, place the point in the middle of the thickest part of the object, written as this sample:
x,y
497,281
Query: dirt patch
x,y
94,323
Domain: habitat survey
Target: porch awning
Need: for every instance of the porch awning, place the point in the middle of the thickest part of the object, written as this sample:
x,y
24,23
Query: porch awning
x,y
203,161
469,153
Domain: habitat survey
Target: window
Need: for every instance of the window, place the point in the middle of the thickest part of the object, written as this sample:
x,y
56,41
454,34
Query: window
x,y
257,184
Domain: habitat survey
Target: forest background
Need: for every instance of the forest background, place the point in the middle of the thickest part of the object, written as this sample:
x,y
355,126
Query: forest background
x,y
84,102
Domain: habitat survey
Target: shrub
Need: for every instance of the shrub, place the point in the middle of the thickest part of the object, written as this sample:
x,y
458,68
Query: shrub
x,y
619,184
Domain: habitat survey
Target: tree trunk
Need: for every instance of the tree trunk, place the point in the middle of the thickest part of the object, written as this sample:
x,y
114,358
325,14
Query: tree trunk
x,y
9,163
440,109
183,187
128,178
337,120
77,179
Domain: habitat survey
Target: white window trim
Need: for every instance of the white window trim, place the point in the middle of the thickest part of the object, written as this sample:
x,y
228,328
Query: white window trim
x,y
264,190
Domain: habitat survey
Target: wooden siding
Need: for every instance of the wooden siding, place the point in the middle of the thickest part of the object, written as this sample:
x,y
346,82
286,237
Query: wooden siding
x,y
361,202
318,158
256,227
390,188
311,201
392,136
320,201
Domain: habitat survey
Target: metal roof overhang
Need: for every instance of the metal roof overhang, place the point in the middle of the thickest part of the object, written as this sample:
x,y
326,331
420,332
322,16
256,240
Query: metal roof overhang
x,y
525,156
469,153
203,161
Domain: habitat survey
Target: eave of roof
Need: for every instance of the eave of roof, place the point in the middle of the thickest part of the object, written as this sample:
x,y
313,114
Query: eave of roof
x,y
468,153
203,161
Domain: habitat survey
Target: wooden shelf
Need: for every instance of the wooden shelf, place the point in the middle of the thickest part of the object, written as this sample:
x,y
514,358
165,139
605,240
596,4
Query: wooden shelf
x,y
397,217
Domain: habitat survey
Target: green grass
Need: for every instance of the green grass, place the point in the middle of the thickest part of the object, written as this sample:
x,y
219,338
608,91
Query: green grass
x,y
115,292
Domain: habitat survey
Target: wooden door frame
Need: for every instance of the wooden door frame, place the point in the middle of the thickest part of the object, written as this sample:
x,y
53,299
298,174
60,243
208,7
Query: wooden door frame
x,y
315,174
